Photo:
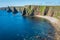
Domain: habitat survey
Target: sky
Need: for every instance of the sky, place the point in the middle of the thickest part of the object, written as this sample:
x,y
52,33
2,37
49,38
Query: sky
x,y
5,3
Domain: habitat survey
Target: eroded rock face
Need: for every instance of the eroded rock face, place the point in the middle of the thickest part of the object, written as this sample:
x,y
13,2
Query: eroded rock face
x,y
15,10
9,10
24,12
49,11
46,10
32,14
53,11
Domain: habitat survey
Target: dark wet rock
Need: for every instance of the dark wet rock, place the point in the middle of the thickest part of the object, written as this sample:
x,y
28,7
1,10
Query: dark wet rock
x,y
15,10
9,10
24,12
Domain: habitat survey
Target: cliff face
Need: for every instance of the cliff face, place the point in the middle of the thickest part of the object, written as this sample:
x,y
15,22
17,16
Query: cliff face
x,y
53,11
56,12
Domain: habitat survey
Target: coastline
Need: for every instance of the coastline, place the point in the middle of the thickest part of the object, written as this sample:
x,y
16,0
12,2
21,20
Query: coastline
x,y
55,22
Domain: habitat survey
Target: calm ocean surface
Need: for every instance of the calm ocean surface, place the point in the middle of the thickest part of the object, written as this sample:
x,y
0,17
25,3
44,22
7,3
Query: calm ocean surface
x,y
17,27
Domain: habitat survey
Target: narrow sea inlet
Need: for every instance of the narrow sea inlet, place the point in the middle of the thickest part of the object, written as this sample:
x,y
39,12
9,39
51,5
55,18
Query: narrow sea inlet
x,y
18,27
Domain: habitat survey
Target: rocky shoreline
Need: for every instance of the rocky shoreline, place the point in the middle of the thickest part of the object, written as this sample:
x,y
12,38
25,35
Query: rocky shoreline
x,y
57,27
56,23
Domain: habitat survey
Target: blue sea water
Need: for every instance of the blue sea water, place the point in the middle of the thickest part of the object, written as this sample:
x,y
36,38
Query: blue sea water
x,y
18,27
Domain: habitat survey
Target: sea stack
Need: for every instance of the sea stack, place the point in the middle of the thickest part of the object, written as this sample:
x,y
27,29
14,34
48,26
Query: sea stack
x,y
24,12
32,14
9,10
15,10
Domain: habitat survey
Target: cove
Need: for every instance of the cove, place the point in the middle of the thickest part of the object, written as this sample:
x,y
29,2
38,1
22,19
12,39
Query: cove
x,y
18,27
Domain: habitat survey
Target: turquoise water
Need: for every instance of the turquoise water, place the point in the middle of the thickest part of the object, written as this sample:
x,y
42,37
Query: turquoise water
x,y
17,27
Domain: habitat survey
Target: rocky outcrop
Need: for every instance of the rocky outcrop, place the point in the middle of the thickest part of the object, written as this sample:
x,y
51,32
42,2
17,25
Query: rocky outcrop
x,y
9,10
46,10
53,11
24,12
32,14
15,10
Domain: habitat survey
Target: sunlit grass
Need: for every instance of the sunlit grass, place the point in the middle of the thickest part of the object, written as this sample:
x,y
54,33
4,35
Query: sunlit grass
x,y
42,8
